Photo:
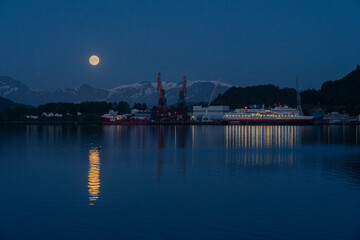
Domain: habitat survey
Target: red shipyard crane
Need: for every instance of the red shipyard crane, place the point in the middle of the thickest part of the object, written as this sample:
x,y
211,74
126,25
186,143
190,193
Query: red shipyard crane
x,y
181,110
162,112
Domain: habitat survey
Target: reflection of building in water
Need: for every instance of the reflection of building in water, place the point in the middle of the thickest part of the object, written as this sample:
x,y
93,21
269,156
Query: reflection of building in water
x,y
94,175
260,145
180,142
261,136
182,135
207,135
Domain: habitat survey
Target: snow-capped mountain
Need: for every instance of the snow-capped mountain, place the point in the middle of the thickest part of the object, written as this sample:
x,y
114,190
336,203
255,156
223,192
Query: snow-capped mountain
x,y
20,93
142,92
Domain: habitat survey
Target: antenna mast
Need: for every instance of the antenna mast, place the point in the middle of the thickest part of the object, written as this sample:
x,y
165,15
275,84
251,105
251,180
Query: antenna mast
x,y
298,97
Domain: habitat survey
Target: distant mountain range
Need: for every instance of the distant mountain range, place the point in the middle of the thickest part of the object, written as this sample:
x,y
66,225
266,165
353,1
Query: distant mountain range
x,y
142,92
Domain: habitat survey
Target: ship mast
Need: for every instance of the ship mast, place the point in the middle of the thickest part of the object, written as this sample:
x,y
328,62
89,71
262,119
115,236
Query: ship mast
x,y
298,98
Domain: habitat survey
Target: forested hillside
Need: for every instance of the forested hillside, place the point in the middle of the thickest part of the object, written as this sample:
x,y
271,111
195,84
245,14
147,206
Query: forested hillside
x,y
5,103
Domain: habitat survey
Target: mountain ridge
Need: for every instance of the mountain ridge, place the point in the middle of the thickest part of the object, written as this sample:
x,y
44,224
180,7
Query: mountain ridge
x,y
197,91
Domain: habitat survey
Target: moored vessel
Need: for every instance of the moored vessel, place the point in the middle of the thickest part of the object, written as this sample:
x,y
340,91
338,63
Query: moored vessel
x,y
277,115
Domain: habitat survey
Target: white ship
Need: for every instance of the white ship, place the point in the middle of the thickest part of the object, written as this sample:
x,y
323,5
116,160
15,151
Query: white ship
x,y
277,115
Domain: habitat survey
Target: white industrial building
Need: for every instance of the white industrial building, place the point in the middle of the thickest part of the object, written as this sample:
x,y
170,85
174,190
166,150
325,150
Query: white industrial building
x,y
45,114
141,114
213,112
337,118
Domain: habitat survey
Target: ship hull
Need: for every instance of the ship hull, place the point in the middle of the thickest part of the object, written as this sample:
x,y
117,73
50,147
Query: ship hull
x,y
269,121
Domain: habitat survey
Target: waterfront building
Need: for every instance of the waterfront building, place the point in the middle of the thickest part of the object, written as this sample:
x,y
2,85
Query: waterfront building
x,y
44,114
213,112
337,118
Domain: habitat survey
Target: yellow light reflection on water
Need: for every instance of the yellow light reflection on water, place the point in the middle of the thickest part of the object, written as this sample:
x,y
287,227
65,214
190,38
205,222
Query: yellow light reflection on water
x,y
94,176
260,136
261,145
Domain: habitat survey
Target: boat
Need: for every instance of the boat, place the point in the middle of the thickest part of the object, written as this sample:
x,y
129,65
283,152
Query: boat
x,y
113,118
318,114
278,115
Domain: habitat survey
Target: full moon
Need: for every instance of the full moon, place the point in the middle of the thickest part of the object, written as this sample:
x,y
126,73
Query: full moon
x,y
94,60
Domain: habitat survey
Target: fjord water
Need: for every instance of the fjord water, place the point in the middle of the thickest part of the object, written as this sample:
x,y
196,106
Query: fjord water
x,y
180,182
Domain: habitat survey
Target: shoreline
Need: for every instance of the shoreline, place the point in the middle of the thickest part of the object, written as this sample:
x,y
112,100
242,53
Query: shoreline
x,y
167,124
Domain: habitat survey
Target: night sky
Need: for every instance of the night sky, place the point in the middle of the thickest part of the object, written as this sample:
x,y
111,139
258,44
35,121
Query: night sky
x,y
47,44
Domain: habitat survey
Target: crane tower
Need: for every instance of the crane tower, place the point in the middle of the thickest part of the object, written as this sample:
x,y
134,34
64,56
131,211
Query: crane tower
x,y
181,110
162,112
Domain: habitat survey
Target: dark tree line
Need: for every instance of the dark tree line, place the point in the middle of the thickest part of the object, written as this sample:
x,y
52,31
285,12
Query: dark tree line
x,y
140,106
267,95
85,111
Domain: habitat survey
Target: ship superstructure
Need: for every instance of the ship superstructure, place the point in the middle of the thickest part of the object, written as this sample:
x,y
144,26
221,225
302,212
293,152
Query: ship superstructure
x,y
277,115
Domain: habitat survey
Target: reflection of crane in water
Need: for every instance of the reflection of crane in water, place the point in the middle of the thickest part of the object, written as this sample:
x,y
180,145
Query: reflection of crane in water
x,y
94,175
162,132
182,144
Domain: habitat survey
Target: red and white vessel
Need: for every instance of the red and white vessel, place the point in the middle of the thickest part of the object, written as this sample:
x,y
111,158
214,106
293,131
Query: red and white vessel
x,y
277,115
112,118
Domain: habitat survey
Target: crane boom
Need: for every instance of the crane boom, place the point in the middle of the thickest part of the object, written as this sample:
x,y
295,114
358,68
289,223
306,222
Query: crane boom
x,y
158,83
213,92
184,85
206,116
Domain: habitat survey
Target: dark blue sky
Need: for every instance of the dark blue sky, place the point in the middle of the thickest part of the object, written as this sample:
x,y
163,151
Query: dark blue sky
x,y
46,44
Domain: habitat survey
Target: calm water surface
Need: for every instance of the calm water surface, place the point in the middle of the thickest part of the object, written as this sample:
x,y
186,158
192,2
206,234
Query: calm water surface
x,y
173,182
